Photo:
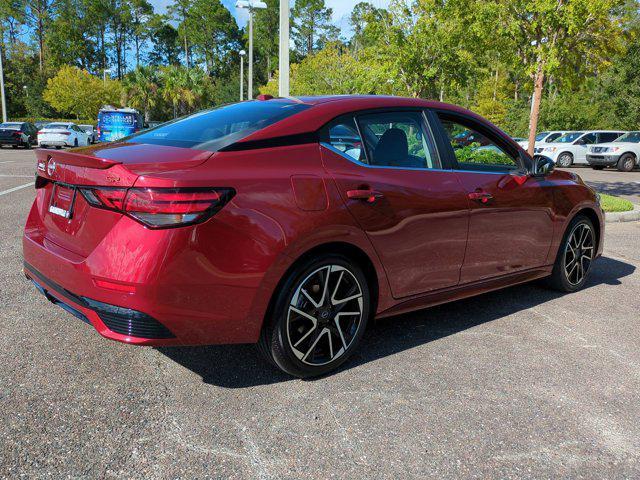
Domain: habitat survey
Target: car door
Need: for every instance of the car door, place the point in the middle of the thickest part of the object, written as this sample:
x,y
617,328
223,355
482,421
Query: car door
x,y
511,213
410,204
582,146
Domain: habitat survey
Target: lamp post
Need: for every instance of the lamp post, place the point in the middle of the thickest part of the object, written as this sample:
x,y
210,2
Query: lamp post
x,y
4,102
104,75
242,54
250,5
283,57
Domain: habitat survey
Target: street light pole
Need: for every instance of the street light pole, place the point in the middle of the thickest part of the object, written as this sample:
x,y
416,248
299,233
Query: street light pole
x,y
250,5
250,84
242,54
283,57
104,75
4,102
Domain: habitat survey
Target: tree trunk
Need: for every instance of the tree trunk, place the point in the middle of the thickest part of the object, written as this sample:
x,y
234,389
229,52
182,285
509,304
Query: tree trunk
x,y
186,51
41,42
535,107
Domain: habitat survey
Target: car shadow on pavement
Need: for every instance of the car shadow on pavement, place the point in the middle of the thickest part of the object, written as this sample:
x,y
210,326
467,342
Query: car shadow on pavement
x,y
241,366
616,188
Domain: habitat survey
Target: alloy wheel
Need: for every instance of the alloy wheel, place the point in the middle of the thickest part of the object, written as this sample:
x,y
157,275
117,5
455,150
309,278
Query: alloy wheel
x,y
578,253
324,315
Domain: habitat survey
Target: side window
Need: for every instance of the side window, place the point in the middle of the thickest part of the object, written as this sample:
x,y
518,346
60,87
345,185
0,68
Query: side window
x,y
398,139
589,139
606,137
552,137
343,135
474,151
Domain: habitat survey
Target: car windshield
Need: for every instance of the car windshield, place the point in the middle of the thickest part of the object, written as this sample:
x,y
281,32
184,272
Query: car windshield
x,y
10,126
541,136
569,137
218,127
632,137
56,126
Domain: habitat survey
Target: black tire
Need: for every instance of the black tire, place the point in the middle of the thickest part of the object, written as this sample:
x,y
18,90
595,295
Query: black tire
x,y
14,146
626,162
75,143
58,147
42,146
27,145
285,329
560,278
565,160
597,167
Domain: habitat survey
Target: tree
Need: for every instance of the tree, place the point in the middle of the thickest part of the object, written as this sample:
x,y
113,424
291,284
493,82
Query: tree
x,y
184,88
213,33
141,90
179,11
141,15
77,92
553,37
38,14
312,25
166,47
265,27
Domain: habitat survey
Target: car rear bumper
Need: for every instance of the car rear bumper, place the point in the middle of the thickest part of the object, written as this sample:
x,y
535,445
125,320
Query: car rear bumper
x,y
7,141
54,143
602,159
138,282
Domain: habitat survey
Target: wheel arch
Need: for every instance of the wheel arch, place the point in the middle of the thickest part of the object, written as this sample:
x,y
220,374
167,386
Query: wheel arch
x,y
350,251
591,214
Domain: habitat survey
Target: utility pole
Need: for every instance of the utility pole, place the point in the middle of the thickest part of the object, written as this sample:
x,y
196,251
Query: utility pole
x,y
4,101
283,57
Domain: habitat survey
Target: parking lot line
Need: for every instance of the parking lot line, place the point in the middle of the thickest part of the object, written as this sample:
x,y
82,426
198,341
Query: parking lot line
x,y
17,176
4,192
8,161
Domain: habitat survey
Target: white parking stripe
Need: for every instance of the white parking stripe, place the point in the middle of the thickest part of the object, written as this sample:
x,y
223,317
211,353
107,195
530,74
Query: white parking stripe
x,y
8,161
4,192
17,176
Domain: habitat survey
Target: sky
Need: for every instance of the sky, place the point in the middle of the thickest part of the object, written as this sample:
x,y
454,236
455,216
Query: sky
x,y
341,10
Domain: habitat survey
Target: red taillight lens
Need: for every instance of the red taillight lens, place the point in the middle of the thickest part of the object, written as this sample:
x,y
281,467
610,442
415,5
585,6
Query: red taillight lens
x,y
108,198
161,207
65,133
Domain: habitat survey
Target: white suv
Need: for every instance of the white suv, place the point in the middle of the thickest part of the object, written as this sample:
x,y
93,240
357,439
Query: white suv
x,y
572,148
624,153
542,139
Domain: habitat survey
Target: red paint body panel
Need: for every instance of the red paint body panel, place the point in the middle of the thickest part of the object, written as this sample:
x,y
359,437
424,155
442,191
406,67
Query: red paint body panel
x,y
212,282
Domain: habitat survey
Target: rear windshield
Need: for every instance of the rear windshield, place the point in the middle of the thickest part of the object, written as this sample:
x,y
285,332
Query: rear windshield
x,y
219,127
56,126
10,126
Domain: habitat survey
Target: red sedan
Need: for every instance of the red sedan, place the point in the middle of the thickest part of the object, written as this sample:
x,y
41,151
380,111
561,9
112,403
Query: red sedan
x,y
292,223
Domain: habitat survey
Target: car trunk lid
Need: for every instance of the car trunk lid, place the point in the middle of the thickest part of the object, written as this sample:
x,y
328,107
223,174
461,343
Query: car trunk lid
x,y
69,221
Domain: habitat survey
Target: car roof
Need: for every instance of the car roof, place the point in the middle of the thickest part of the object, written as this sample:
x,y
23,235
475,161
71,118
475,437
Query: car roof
x,y
326,108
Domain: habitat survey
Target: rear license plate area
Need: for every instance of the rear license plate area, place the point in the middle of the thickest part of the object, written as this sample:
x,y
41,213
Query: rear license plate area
x,y
63,198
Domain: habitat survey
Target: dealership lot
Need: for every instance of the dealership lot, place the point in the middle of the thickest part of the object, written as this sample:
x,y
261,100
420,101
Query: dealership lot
x,y
518,383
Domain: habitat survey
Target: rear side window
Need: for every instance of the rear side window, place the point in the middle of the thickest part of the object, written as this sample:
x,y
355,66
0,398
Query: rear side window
x,y
219,127
398,139
553,137
605,137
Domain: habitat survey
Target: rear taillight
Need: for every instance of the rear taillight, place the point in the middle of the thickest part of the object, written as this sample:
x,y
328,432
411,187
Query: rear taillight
x,y
161,207
16,134
65,133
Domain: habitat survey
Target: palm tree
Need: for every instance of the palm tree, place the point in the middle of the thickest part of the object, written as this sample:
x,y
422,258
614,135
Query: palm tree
x,y
141,89
184,87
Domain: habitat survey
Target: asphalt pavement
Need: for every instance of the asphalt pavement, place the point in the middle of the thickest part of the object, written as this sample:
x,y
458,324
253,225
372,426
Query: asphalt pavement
x,y
521,383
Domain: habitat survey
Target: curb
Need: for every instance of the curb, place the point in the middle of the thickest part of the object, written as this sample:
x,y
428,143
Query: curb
x,y
630,216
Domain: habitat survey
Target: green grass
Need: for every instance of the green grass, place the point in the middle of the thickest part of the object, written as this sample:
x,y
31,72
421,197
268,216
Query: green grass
x,y
611,203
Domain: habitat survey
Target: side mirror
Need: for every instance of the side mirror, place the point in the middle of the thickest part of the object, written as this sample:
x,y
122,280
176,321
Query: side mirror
x,y
542,166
